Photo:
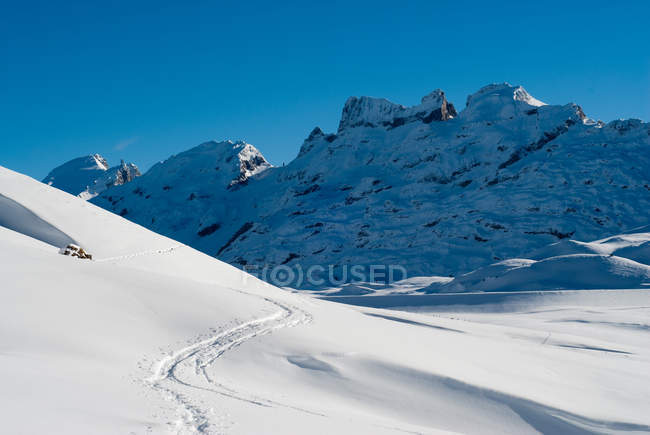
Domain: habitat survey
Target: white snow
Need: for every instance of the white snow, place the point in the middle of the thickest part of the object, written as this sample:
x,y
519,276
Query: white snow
x,y
522,95
154,337
620,261
16,217
577,271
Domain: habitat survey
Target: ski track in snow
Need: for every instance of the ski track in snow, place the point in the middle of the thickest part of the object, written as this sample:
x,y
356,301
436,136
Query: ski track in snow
x,y
188,366
142,253
203,353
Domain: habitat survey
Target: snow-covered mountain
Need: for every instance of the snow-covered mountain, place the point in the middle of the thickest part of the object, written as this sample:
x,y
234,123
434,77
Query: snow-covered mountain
x,y
152,336
89,176
427,187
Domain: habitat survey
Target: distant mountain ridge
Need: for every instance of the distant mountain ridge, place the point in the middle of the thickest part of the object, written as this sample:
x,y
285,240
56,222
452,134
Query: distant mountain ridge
x,y
88,176
427,187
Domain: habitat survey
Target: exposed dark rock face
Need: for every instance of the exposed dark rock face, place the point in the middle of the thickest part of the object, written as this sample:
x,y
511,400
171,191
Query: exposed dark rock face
x,y
208,230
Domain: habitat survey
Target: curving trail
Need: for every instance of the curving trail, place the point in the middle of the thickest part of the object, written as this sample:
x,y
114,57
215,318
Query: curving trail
x,y
187,368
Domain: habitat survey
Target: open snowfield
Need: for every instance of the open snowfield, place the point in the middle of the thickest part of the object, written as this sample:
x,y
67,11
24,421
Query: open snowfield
x,y
155,337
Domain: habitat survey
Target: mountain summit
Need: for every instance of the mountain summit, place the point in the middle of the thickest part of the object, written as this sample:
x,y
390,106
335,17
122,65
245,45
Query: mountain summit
x,y
379,112
88,176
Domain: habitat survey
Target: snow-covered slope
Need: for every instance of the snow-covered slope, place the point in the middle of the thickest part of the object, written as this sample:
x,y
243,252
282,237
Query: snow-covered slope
x,y
617,262
152,336
633,246
577,271
424,187
89,176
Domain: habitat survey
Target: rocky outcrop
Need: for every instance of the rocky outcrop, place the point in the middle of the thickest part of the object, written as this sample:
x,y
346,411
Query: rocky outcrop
x,y
378,112
125,173
75,251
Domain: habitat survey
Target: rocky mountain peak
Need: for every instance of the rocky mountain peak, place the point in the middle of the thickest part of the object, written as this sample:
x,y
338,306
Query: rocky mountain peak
x,y
314,137
316,132
499,101
367,112
251,162
125,172
378,112
210,165
89,175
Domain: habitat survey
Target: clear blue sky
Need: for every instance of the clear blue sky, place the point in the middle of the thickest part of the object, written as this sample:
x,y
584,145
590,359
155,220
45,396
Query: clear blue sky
x,y
144,80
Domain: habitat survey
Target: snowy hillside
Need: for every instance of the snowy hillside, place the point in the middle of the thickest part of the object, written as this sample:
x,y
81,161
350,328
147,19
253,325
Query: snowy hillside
x,y
89,176
154,337
429,188
614,262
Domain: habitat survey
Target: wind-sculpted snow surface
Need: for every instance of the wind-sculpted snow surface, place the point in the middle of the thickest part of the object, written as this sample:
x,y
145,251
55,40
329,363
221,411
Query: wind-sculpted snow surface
x,y
152,336
16,217
434,190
